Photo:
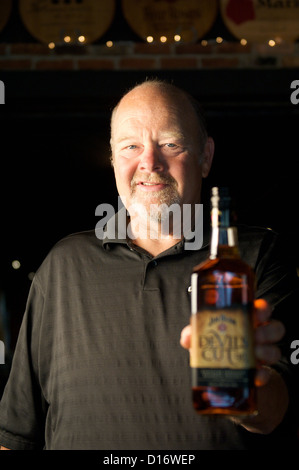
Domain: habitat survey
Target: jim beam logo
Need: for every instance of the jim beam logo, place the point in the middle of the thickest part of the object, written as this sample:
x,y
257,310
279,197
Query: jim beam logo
x,y
2,93
223,340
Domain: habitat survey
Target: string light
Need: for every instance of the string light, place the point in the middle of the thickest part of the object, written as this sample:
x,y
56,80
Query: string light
x,y
16,264
177,38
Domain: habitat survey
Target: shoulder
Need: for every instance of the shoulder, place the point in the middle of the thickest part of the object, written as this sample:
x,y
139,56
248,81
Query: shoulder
x,y
77,241
256,242
72,251
249,232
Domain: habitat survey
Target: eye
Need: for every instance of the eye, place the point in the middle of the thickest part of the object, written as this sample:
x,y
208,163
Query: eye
x,y
169,146
171,149
130,151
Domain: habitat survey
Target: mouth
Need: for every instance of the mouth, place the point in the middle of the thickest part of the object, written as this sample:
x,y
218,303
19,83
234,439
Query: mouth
x,y
151,186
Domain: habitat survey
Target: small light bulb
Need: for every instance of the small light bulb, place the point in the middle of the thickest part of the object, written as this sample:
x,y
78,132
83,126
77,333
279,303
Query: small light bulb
x,y
67,38
81,38
163,38
109,43
51,45
150,39
177,38
271,43
16,264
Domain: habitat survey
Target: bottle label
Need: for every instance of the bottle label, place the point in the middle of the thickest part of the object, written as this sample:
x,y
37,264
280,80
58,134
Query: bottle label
x,y
222,346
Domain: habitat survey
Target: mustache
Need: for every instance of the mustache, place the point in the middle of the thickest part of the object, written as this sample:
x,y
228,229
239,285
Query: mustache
x,y
163,179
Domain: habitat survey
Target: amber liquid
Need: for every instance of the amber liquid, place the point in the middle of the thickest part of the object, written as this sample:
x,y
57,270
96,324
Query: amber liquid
x,y
223,286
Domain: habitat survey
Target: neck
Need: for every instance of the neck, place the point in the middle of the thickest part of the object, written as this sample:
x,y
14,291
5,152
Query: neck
x,y
155,247
153,236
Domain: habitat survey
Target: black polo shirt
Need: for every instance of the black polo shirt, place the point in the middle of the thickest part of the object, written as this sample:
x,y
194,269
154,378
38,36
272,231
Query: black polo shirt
x,y
98,364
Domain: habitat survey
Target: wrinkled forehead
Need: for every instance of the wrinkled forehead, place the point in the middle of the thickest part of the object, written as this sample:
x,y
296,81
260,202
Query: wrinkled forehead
x,y
155,107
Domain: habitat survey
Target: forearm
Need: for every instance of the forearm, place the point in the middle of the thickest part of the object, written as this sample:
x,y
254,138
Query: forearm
x,y
273,401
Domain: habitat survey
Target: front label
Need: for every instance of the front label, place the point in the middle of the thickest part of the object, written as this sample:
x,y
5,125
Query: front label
x,y
222,339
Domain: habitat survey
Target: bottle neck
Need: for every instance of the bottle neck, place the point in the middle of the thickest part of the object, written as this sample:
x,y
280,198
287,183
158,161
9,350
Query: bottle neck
x,y
224,238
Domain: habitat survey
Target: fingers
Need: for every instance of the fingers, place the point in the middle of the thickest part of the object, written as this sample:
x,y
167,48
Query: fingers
x,y
270,332
267,354
262,312
185,339
267,333
262,376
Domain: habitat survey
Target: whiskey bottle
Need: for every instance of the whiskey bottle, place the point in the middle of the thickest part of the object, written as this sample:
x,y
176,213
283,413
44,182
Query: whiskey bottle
x,y
222,347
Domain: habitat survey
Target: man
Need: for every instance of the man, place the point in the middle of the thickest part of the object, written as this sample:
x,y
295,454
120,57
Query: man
x,y
98,363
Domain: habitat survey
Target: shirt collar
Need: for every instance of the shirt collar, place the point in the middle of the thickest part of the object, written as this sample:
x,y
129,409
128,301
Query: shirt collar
x,y
115,231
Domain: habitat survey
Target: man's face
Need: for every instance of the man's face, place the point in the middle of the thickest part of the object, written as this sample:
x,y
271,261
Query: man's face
x,y
156,149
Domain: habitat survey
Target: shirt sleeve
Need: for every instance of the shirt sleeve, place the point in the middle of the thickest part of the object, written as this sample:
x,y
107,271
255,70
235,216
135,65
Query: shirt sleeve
x,y
23,407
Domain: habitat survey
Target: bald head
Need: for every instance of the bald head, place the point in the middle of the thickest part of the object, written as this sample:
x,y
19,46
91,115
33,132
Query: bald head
x,y
173,97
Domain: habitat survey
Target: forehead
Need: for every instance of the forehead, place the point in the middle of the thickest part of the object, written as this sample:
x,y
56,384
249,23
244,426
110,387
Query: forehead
x,y
152,108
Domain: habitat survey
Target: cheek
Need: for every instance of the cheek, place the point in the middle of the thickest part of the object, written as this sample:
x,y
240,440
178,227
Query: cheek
x,y
124,173
186,174
189,181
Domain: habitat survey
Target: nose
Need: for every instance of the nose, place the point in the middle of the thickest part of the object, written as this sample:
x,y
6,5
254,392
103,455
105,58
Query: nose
x,y
151,159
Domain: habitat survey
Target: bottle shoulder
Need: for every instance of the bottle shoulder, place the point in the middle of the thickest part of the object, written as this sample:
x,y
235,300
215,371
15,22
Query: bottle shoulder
x,y
231,264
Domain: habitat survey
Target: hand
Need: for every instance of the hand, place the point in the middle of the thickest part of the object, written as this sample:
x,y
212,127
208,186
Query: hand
x,y
267,333
272,391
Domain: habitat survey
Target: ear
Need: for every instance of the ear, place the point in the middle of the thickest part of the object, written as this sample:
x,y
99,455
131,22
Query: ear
x,y
208,157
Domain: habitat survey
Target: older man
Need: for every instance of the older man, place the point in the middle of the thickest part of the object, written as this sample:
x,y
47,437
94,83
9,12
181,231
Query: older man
x,y
98,363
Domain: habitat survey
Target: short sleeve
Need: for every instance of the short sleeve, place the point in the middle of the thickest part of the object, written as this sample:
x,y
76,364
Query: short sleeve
x,y
23,408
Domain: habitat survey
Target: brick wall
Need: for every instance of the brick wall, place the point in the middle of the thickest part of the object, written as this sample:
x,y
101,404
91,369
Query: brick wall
x,y
143,56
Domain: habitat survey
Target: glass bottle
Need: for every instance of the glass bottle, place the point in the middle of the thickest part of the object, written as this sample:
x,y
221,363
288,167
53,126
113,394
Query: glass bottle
x,y
222,355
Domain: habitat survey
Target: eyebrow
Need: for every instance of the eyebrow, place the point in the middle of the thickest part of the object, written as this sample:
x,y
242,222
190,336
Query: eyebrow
x,y
172,134
163,135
